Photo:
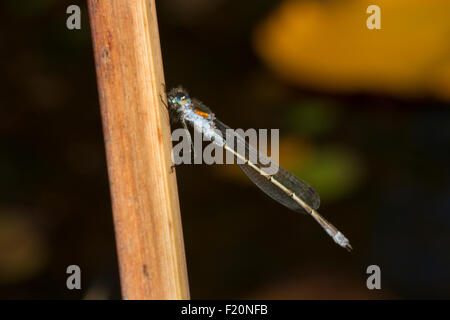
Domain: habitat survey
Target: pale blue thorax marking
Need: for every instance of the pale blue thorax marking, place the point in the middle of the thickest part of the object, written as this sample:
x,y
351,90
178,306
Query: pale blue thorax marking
x,y
201,124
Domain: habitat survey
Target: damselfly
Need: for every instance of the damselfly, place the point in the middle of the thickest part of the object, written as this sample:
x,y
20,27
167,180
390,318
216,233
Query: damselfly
x,y
282,186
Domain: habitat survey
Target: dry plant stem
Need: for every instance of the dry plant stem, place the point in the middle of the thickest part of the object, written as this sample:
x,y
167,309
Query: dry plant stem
x,y
138,146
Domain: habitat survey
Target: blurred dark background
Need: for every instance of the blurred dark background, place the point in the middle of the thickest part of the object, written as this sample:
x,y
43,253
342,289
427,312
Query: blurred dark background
x,y
363,117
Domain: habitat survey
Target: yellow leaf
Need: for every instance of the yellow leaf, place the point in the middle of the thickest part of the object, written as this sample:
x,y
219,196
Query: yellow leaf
x,y
327,45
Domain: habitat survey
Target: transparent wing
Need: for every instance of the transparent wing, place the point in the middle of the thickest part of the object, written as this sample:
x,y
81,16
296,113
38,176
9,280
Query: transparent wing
x,y
291,182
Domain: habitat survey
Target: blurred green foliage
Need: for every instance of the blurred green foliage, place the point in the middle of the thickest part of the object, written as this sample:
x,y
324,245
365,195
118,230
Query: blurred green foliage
x,y
313,117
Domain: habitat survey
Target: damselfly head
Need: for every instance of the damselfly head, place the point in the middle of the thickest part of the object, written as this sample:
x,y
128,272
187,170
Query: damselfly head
x,y
178,98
